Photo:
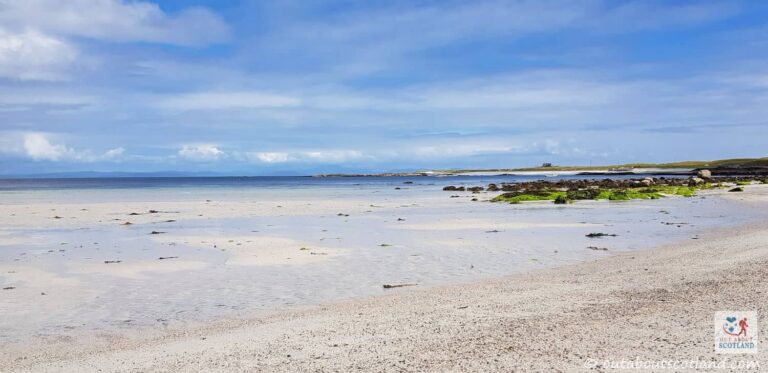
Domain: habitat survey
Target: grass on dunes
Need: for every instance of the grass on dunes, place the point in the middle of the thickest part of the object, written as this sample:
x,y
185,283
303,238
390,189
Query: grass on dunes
x,y
736,162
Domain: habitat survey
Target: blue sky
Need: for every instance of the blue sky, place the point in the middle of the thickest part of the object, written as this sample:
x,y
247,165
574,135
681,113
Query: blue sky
x,y
299,87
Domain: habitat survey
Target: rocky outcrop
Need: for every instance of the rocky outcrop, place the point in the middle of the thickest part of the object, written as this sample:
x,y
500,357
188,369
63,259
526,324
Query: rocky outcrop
x,y
648,181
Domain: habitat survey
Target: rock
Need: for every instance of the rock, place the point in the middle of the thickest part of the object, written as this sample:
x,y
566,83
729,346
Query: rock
x,y
647,181
561,200
704,174
594,235
493,188
454,188
388,286
737,189
476,189
695,181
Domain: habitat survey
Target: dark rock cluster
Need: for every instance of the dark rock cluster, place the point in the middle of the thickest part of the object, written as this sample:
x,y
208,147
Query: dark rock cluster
x,y
588,187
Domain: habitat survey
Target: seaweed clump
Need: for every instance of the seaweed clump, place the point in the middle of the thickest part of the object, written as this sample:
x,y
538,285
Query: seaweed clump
x,y
567,191
562,200
528,196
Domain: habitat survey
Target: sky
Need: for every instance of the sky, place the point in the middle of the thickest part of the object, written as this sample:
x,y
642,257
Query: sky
x,y
302,87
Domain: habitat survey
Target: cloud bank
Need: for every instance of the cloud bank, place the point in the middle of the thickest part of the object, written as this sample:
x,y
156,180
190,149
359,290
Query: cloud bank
x,y
278,87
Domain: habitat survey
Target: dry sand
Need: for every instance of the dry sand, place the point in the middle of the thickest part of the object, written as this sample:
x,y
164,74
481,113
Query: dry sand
x,y
655,304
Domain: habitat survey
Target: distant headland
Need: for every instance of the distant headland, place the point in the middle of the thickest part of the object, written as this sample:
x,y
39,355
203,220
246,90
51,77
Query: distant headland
x,y
722,167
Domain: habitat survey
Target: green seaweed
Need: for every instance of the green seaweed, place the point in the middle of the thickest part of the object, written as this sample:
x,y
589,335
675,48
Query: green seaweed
x,y
685,191
517,197
611,194
581,194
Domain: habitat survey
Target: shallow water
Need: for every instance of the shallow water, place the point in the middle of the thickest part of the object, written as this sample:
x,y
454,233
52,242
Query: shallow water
x,y
414,235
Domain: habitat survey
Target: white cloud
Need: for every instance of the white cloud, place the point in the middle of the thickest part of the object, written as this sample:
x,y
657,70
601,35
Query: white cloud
x,y
200,152
270,157
332,156
385,37
31,55
36,97
527,91
453,150
227,100
40,148
432,149
321,156
115,20
113,153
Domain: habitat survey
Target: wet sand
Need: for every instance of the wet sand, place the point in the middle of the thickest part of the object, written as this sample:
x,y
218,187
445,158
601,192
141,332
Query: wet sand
x,y
655,304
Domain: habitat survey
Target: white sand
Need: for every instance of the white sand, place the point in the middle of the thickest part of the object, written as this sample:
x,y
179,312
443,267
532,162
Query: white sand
x,y
655,304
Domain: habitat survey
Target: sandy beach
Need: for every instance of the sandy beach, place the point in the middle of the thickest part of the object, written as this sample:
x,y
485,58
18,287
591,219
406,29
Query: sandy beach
x,y
651,304
383,186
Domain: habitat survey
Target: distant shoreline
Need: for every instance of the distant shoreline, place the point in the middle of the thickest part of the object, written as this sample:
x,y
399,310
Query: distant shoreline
x,y
729,167
522,172
748,171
